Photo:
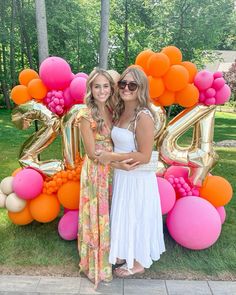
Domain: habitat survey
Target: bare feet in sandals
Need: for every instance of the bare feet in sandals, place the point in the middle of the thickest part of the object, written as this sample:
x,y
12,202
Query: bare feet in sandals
x,y
124,271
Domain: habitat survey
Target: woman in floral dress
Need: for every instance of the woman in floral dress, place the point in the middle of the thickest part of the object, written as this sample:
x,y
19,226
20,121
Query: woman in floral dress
x,y
95,194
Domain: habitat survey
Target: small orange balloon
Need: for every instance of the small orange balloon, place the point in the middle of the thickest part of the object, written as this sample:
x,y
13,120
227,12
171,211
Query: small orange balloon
x,y
188,96
37,89
142,59
27,75
158,64
217,190
45,208
167,98
176,78
173,53
156,86
191,68
20,94
69,194
21,218
16,171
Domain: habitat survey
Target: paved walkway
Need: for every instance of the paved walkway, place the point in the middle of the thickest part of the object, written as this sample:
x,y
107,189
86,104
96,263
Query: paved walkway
x,y
17,285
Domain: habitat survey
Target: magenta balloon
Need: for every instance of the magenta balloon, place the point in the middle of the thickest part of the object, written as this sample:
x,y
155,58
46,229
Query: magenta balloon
x,y
222,213
203,80
28,184
194,223
202,96
218,83
217,75
210,101
210,92
223,94
167,195
55,73
78,89
81,74
68,100
177,171
68,225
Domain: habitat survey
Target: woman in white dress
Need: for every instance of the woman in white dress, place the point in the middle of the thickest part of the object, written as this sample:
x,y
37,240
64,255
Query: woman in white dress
x,y
136,219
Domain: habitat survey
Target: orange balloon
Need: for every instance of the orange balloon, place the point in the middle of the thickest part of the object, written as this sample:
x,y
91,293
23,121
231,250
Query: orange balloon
x,y
217,190
188,96
21,218
156,86
191,68
155,102
167,98
173,53
142,59
16,171
37,89
45,208
158,64
69,194
27,75
176,78
20,94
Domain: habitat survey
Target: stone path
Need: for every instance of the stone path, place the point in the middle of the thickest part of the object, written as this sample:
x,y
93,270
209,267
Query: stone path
x,y
32,285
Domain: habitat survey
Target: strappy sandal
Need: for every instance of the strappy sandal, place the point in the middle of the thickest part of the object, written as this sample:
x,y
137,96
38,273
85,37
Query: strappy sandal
x,y
117,265
128,273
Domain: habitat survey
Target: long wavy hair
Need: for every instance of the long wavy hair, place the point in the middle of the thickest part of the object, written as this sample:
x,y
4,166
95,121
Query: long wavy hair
x,y
142,94
90,101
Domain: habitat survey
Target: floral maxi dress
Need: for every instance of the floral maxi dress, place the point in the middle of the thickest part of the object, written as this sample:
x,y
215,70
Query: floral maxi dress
x,y
95,196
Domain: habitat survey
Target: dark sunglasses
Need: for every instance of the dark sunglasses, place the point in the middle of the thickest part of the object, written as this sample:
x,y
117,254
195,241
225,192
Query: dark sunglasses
x,y
132,86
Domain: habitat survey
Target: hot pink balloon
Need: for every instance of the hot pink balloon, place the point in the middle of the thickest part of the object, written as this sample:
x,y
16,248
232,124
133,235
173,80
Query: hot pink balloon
x,y
68,100
223,94
81,74
167,195
210,92
222,213
177,171
203,80
68,225
218,83
55,73
210,101
78,89
28,184
194,223
202,96
217,75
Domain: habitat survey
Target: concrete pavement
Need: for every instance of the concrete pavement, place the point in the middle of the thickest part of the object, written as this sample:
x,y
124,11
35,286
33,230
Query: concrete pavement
x,y
32,285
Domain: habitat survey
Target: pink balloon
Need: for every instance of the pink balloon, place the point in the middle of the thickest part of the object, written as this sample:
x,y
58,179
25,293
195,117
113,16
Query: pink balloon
x,y
218,83
202,96
68,100
222,213
167,195
210,92
81,74
203,80
55,73
217,75
194,223
210,101
28,184
177,171
68,225
78,89
223,94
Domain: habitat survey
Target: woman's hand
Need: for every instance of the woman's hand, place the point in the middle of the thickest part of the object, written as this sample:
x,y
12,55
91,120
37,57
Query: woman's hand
x,y
125,165
103,157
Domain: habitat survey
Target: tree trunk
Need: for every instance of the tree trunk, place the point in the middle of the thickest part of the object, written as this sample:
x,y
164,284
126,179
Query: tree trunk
x,y
41,21
12,45
126,39
103,52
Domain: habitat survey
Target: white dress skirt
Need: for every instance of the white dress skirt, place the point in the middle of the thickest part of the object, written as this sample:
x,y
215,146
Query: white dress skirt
x,y
136,219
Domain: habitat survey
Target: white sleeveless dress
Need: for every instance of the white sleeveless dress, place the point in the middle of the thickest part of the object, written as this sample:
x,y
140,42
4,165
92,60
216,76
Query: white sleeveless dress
x,y
136,219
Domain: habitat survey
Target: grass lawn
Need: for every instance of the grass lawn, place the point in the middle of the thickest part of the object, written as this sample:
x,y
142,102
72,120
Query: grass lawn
x,y
37,248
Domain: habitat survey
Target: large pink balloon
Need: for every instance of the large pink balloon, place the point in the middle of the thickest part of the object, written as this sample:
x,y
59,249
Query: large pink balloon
x,y
194,223
78,89
68,225
55,73
28,184
81,74
222,213
223,94
203,80
167,195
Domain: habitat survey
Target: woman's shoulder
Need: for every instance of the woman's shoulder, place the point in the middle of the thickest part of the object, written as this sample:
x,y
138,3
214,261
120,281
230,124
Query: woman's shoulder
x,y
144,112
86,114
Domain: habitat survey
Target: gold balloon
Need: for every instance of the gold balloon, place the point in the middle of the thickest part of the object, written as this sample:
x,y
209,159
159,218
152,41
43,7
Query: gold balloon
x,y
200,156
22,116
71,137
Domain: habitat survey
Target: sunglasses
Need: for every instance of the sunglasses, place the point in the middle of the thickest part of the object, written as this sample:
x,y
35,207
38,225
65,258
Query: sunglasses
x,y
132,86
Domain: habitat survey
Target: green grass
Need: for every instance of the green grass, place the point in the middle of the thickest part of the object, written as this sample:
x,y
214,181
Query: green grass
x,y
38,244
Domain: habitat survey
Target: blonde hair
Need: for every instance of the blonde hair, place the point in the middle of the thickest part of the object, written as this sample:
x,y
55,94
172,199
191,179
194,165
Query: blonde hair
x,y
142,93
90,101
